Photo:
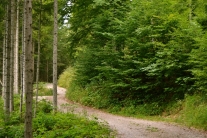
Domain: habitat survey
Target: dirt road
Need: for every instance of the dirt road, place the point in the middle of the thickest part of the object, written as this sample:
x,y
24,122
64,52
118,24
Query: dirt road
x,y
127,127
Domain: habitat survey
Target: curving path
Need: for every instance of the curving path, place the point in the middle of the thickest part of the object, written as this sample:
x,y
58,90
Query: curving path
x,y
127,127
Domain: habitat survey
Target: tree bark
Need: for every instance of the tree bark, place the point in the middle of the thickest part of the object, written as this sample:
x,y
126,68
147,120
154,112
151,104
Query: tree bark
x,y
28,74
7,64
13,41
47,68
55,56
16,53
4,55
38,60
22,66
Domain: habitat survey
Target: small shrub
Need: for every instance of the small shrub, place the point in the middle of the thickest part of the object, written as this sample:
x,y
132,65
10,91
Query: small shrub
x,y
45,106
45,92
68,125
43,123
14,128
76,93
89,101
42,90
66,77
15,131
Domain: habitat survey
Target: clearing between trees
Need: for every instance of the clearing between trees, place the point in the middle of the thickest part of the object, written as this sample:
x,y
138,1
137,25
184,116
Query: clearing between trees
x,y
126,127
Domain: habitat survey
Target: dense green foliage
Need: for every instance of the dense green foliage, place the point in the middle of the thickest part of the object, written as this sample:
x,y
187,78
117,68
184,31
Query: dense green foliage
x,y
67,125
137,53
46,124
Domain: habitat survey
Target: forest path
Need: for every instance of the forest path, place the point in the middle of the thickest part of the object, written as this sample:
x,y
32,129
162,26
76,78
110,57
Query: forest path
x,y
126,127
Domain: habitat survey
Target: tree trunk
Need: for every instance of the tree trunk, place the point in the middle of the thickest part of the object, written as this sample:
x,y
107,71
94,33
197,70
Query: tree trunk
x,y
55,56
4,56
13,41
38,60
28,59
16,53
7,63
47,71
22,67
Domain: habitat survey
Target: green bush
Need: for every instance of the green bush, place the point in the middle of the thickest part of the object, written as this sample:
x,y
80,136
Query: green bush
x,y
75,93
47,124
12,131
93,95
66,80
45,106
68,125
66,77
42,90
14,128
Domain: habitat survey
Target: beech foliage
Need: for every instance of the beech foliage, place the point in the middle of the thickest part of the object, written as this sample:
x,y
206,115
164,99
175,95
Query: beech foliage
x,y
139,51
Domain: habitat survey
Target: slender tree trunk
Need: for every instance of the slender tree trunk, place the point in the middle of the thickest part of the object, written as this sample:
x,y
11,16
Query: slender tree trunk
x,y
21,91
22,67
16,53
38,60
4,56
47,71
28,74
55,56
13,41
7,71
33,60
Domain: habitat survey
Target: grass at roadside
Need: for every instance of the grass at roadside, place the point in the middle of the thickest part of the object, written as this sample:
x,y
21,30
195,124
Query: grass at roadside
x,y
190,112
194,113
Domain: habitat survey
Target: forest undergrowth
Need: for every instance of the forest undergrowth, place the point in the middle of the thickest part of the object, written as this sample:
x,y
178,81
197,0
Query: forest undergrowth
x,y
48,124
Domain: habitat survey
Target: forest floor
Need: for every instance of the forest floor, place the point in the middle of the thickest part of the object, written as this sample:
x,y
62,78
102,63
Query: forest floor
x,y
126,127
